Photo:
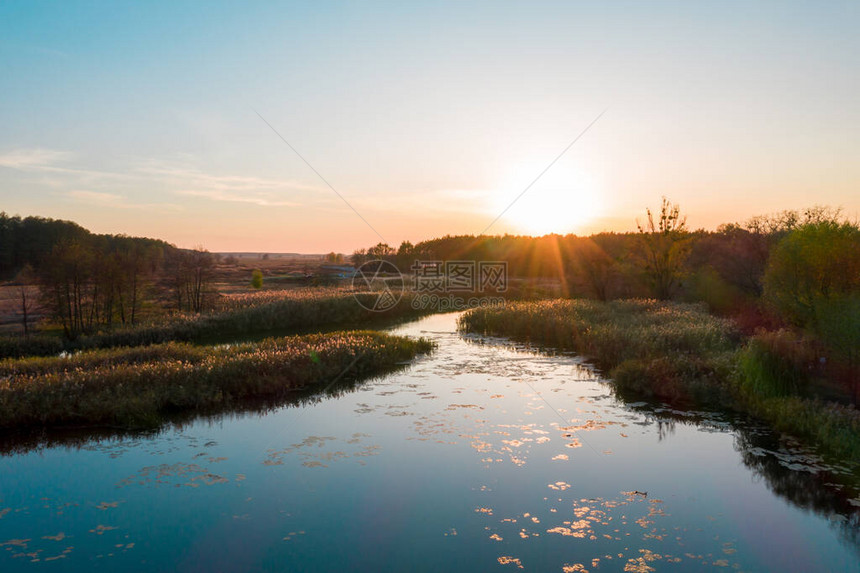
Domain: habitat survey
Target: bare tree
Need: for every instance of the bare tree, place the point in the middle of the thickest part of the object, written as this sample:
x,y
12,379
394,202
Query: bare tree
x,y
664,244
66,279
189,276
28,295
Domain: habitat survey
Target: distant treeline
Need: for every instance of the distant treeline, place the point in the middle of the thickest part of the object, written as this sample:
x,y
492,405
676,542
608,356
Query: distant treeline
x,y
87,281
795,274
791,279
725,268
31,240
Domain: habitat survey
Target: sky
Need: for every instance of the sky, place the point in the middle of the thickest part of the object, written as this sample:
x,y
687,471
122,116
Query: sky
x,y
175,120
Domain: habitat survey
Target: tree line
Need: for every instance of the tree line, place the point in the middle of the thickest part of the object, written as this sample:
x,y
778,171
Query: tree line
x,y
794,269
89,282
663,259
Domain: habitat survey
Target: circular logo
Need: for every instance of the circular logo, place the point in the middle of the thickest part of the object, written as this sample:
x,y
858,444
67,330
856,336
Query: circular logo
x,y
377,285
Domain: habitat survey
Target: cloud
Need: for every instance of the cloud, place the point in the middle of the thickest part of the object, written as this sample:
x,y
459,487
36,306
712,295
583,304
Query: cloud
x,y
178,177
192,182
117,201
50,161
96,197
222,182
33,159
263,199
432,200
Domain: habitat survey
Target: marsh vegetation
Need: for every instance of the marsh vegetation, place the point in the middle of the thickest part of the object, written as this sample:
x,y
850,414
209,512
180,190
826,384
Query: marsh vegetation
x,y
680,354
137,387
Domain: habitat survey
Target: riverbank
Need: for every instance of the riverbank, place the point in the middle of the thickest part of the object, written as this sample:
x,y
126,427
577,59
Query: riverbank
x,y
673,352
273,312
138,387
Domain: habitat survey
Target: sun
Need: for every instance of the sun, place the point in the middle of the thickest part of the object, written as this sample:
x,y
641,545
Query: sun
x,y
563,200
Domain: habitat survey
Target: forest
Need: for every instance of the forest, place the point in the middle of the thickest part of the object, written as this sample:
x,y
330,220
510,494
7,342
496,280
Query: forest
x,y
89,282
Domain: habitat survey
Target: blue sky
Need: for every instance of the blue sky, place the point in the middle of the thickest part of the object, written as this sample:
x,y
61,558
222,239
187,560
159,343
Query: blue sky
x,y
429,117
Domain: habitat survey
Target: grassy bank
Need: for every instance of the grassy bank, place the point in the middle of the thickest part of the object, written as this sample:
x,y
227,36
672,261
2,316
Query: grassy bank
x,y
137,387
674,352
283,311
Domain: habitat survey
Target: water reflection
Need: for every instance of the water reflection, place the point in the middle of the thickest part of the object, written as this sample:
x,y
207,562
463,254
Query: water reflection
x,y
483,455
792,472
789,470
35,439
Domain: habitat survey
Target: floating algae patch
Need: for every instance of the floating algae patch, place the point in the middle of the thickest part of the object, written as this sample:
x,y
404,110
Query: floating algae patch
x,y
559,486
508,560
313,452
102,529
178,475
603,527
107,505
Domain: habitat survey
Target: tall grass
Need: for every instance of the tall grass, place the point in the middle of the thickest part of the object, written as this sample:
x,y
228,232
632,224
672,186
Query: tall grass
x,y
776,364
295,310
681,354
138,386
673,351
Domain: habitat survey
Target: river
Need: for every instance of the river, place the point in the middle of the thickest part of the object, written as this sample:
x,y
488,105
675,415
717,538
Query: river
x,y
482,456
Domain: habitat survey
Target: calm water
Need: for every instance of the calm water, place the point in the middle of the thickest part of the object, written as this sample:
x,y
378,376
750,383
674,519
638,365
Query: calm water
x,y
483,456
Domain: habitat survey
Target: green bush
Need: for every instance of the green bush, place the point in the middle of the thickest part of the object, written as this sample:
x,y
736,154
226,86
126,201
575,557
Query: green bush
x,y
257,279
39,345
776,364
815,263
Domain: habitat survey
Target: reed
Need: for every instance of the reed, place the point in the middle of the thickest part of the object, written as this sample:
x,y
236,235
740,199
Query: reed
x,y
680,354
284,311
611,332
138,387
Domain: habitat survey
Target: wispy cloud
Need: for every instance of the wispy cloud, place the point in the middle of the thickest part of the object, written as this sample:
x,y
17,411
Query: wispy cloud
x,y
432,200
180,178
56,161
191,181
95,197
33,158
222,182
117,201
263,199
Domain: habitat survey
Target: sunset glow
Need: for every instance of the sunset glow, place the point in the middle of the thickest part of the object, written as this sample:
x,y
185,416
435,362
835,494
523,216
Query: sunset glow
x,y
426,119
564,200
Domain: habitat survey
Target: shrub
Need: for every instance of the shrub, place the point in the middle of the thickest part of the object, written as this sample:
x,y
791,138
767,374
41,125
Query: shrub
x,y
39,345
776,364
814,264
